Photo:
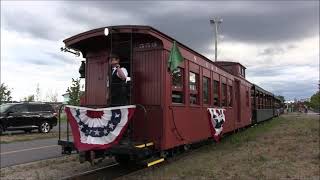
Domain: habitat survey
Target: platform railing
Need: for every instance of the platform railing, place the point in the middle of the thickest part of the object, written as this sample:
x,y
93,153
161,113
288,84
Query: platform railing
x,y
145,120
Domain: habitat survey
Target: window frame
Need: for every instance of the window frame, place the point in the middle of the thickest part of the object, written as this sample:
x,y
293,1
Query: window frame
x,y
230,93
224,95
208,90
178,89
197,86
216,82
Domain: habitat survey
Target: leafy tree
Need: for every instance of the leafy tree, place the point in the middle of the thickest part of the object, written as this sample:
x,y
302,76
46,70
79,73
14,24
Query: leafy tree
x,y
315,101
38,93
74,92
5,93
52,97
29,98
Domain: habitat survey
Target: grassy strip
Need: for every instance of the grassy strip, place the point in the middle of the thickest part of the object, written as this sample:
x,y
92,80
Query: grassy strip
x,y
249,134
63,118
6,139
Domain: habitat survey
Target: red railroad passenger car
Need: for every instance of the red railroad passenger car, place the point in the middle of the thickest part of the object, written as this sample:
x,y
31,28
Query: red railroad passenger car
x,y
176,103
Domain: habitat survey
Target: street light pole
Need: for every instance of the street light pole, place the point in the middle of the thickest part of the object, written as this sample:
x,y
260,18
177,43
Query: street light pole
x,y
216,21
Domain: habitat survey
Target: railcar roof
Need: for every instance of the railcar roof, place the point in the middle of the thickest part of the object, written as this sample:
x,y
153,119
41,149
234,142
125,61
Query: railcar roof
x,y
69,42
262,90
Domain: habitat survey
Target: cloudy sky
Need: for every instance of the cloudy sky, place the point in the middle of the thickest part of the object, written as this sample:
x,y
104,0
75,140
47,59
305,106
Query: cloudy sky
x,y
278,42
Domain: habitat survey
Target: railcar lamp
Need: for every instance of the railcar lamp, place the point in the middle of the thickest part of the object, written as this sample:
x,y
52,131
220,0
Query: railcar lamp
x,y
106,31
82,69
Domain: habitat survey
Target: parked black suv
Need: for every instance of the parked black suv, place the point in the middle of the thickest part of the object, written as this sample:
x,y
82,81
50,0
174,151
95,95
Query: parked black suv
x,y
27,117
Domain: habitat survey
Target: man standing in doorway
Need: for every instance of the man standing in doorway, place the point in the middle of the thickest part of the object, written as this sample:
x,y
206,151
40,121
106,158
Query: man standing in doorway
x,y
119,77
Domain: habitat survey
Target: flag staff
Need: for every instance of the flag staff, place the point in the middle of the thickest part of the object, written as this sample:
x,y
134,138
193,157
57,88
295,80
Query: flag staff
x,y
216,21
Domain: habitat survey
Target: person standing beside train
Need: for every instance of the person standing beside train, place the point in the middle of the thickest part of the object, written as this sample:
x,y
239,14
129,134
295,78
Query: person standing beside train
x,y
119,78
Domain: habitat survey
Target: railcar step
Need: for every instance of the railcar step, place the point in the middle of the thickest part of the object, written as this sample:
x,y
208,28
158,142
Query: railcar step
x,y
144,145
152,161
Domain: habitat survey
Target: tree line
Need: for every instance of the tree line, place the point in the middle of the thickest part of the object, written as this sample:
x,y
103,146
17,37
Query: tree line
x,y
75,93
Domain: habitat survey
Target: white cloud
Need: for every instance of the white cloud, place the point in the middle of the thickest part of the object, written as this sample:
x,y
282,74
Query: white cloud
x,y
32,33
21,74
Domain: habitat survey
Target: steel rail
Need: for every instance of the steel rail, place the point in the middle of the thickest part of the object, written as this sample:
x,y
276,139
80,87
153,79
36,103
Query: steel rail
x,y
90,171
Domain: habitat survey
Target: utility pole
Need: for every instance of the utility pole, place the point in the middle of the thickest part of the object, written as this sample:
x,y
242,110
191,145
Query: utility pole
x,y
216,21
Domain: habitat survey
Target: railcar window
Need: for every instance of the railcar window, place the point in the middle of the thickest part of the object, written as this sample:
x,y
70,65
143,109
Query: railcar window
x,y
230,94
224,95
206,82
261,100
177,86
247,98
193,86
216,93
264,101
258,100
252,99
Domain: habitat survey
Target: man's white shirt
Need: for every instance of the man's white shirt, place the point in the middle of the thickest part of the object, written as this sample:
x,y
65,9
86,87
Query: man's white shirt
x,y
125,72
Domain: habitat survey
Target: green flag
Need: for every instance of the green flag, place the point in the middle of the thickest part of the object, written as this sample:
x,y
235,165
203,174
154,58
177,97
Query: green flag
x,y
175,57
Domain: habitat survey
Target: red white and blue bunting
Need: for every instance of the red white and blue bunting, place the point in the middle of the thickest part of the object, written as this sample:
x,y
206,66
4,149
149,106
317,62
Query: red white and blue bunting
x,y
98,128
217,119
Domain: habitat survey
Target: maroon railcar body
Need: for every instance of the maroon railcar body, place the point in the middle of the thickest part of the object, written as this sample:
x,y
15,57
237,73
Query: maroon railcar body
x,y
168,124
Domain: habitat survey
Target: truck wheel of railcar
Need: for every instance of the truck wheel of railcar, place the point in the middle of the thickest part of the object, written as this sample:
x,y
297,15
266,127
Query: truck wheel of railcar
x,y
44,127
123,160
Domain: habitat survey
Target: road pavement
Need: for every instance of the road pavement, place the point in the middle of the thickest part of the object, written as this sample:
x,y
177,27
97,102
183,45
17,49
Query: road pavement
x,y
29,151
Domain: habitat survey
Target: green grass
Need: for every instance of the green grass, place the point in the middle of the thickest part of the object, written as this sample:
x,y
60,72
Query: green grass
x,y
63,118
274,149
251,133
6,139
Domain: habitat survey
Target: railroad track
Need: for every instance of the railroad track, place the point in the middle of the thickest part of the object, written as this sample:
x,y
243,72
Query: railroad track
x,y
114,170
111,171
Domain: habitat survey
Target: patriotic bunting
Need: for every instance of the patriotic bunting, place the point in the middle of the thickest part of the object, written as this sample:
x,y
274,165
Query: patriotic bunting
x,y
216,121
98,128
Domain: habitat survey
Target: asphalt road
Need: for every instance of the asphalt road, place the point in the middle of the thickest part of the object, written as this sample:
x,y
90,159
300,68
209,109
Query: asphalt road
x,y
29,151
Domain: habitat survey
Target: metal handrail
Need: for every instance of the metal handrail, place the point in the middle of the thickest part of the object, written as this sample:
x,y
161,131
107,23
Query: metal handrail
x,y
60,122
145,113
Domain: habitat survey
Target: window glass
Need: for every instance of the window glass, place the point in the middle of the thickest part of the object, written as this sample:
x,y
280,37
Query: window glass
x,y
177,86
34,107
247,98
206,90
177,78
193,85
224,95
193,81
47,107
177,96
18,108
258,100
216,93
5,107
252,98
230,95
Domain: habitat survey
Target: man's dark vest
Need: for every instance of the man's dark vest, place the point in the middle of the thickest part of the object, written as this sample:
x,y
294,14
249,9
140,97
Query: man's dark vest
x,y
118,89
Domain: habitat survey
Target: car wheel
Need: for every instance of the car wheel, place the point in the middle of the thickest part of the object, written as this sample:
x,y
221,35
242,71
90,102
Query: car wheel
x,y
44,127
